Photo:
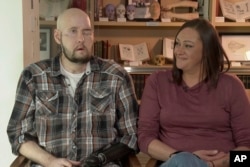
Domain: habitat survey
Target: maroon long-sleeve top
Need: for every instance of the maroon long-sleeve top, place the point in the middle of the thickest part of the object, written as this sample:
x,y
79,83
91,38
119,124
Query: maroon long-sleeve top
x,y
190,119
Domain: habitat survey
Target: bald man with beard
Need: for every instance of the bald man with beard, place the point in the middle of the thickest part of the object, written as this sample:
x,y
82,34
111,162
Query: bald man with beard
x,y
74,109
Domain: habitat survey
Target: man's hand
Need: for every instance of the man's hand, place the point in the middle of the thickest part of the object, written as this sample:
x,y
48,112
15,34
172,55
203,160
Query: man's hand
x,y
63,162
93,160
113,152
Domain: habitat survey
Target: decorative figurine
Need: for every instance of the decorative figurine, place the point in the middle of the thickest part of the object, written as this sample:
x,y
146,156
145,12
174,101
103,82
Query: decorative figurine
x,y
130,11
159,60
168,11
120,11
155,10
110,11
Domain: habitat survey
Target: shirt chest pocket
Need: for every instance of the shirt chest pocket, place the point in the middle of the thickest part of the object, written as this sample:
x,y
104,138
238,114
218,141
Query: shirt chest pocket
x,y
100,101
47,102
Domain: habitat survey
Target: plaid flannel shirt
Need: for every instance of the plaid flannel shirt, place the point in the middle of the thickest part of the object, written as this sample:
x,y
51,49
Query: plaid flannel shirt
x,y
103,110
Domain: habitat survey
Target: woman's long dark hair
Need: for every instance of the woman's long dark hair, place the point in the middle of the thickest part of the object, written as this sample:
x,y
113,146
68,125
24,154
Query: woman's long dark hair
x,y
214,59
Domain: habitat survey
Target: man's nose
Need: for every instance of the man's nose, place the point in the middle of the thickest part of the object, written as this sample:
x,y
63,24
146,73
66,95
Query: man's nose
x,y
80,37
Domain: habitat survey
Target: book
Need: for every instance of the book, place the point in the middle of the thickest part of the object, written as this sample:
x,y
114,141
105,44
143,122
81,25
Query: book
x,y
137,52
168,45
114,53
98,9
81,4
102,49
203,8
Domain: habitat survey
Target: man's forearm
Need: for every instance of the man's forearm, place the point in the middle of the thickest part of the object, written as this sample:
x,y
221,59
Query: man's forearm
x,y
35,153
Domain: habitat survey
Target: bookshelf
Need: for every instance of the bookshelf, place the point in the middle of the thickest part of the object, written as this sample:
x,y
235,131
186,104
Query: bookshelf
x,y
140,74
152,32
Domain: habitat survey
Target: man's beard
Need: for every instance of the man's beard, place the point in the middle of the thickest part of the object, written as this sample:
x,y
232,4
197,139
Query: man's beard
x,y
73,58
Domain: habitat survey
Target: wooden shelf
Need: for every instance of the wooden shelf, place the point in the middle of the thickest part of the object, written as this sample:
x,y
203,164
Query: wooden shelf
x,y
145,69
47,23
152,32
138,24
232,24
148,69
123,24
232,27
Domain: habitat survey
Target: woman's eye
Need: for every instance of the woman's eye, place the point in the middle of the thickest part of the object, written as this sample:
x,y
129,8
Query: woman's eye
x,y
188,46
176,43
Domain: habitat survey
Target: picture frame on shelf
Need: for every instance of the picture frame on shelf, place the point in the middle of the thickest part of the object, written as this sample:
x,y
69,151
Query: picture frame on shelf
x,y
142,9
45,43
235,10
167,49
236,46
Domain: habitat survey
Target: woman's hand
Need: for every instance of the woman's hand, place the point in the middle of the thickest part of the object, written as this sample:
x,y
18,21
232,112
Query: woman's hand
x,y
209,155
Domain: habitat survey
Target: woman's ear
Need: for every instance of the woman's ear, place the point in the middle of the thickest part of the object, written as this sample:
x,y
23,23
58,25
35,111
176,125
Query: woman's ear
x,y
57,36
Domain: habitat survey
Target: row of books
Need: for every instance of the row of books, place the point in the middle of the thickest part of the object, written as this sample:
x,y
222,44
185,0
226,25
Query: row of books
x,y
245,79
105,50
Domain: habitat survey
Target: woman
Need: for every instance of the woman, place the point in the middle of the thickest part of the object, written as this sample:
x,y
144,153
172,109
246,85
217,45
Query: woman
x,y
194,114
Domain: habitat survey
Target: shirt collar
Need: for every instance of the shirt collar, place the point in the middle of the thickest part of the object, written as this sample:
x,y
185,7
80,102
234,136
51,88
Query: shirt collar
x,y
92,65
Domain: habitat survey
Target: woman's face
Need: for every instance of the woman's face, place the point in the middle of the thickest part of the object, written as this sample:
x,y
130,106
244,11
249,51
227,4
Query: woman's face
x,y
188,50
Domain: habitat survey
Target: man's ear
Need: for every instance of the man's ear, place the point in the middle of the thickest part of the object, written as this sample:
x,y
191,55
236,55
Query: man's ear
x,y
57,36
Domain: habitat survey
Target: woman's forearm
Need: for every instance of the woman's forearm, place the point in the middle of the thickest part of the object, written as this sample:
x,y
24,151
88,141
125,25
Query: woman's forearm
x,y
159,150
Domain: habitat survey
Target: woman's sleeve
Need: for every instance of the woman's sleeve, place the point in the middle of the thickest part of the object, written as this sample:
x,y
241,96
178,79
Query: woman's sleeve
x,y
240,114
148,124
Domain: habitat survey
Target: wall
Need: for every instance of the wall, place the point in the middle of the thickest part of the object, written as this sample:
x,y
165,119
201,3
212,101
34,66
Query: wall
x,y
11,64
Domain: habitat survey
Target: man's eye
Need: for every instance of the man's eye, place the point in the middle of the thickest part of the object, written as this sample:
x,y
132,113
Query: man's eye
x,y
73,31
87,32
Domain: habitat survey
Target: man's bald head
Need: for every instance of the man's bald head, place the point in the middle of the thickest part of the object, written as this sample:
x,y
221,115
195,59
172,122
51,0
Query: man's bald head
x,y
75,35
66,16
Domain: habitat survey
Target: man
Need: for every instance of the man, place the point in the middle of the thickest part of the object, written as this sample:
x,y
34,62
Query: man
x,y
74,109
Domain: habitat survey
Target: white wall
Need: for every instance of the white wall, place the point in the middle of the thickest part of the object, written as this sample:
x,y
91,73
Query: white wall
x,y
11,64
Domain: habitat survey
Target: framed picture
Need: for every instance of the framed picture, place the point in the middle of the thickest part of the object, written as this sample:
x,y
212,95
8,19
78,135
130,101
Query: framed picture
x,y
142,9
45,43
168,46
237,47
236,10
